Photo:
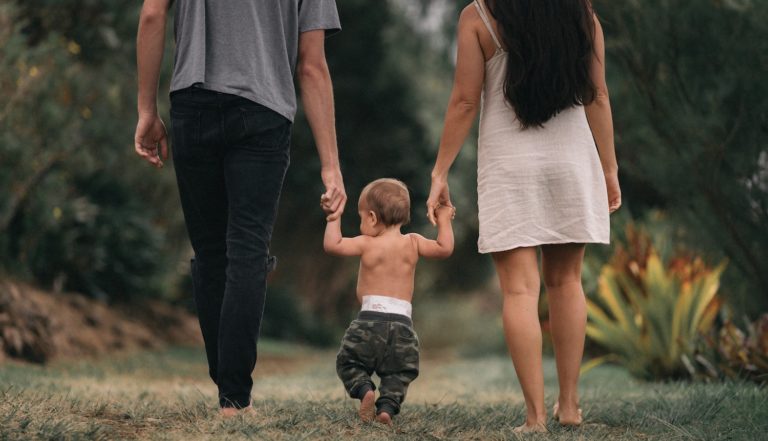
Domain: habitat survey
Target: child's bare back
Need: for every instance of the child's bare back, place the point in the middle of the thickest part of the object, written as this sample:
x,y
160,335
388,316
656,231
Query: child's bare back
x,y
388,266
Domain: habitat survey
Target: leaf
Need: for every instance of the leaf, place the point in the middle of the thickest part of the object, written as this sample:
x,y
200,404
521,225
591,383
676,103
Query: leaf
x,y
595,362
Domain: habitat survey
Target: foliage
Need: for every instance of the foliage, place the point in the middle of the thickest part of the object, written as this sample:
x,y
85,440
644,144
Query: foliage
x,y
287,318
647,312
76,218
691,123
733,353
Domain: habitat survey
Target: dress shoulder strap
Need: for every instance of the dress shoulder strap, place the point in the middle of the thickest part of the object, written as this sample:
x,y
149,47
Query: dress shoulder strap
x,y
484,15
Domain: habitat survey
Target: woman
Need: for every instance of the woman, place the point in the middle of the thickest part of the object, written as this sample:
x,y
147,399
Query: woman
x,y
547,171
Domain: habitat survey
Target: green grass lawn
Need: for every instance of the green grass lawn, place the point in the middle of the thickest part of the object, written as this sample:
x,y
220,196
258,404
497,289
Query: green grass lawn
x,y
167,395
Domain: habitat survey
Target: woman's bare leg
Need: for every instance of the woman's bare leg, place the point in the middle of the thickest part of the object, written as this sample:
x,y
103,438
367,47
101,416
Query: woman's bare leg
x,y
519,276
561,265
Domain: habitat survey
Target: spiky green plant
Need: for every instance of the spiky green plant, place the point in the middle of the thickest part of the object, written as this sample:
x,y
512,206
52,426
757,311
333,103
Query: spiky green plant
x,y
647,313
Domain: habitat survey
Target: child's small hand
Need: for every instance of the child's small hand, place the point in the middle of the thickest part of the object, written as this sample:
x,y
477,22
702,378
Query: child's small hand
x,y
325,203
446,212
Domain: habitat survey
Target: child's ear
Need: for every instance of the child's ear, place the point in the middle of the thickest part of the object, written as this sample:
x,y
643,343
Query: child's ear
x,y
373,218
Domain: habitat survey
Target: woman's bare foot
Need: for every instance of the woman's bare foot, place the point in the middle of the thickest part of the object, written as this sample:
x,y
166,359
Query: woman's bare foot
x,y
384,418
230,412
531,428
367,407
567,417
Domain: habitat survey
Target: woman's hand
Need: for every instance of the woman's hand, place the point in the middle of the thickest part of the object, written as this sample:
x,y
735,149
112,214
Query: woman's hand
x,y
614,191
439,196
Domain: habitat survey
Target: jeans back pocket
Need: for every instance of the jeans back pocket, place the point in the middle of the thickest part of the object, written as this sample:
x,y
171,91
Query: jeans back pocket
x,y
265,129
185,129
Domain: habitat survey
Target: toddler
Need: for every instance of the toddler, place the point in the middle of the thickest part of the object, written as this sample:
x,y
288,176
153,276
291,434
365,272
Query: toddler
x,y
382,339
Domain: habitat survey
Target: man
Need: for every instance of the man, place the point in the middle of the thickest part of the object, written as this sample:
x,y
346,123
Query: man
x,y
232,106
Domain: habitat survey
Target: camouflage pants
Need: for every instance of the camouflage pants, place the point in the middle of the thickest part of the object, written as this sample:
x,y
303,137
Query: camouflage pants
x,y
385,344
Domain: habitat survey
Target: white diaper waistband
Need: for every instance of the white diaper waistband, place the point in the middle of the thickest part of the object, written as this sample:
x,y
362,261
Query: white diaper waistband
x,y
386,304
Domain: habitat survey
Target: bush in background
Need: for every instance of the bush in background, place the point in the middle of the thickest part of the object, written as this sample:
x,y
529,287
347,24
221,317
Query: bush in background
x,y
730,352
286,317
75,217
691,117
648,313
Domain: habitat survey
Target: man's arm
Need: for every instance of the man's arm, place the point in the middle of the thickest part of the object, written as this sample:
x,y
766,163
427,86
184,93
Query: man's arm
x,y
317,97
150,44
335,244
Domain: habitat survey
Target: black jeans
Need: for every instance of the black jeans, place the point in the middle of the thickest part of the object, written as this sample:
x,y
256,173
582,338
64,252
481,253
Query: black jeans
x,y
230,156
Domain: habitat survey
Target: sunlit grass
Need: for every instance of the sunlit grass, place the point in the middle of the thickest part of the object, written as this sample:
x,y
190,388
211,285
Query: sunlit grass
x,y
167,395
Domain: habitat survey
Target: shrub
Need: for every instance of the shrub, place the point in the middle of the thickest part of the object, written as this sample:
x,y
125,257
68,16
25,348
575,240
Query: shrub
x,y
733,353
648,312
691,125
81,212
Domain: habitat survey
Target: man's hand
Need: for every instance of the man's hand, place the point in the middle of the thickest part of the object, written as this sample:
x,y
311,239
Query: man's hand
x,y
439,196
335,197
151,140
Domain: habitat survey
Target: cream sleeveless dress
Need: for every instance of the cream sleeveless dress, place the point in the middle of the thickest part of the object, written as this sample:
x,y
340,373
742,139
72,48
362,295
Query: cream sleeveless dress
x,y
540,185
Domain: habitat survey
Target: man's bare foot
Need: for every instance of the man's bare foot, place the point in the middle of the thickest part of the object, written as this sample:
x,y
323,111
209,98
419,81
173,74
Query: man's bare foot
x,y
531,428
567,418
367,407
384,418
230,412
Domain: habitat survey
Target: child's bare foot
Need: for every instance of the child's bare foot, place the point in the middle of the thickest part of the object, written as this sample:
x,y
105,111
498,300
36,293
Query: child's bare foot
x,y
531,428
367,407
230,412
384,418
567,417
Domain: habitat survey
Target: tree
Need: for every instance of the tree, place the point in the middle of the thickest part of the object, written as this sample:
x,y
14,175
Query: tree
x,y
691,110
75,217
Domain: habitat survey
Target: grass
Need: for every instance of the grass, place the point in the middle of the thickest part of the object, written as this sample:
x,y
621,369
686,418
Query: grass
x,y
167,396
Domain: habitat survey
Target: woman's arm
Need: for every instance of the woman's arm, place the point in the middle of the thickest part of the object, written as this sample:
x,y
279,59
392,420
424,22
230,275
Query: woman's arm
x,y
462,108
601,122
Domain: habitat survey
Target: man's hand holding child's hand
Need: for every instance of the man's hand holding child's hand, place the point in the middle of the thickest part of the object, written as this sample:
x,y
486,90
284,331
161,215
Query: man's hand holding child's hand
x,y
446,212
326,204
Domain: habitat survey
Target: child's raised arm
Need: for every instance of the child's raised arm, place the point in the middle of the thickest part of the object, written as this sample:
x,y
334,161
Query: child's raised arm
x,y
442,247
335,244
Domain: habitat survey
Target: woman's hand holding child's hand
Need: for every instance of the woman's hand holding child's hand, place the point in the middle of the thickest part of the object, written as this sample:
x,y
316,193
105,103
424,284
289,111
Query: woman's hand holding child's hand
x,y
439,196
445,212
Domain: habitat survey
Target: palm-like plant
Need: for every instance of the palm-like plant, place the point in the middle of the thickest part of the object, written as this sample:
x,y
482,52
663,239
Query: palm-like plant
x,y
647,313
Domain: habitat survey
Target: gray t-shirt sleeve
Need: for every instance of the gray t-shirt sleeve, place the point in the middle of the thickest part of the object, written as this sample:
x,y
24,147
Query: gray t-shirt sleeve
x,y
319,14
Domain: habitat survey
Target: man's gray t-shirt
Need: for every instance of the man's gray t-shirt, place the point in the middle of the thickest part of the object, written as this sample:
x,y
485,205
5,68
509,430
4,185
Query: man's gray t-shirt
x,y
246,48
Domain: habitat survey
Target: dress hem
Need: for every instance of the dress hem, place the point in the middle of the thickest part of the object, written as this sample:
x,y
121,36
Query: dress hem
x,y
489,250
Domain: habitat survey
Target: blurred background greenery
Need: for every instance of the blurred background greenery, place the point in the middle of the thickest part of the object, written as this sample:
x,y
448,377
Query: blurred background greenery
x,y
80,212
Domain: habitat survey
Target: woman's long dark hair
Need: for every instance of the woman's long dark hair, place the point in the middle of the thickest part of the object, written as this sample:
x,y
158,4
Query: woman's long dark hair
x,y
550,44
